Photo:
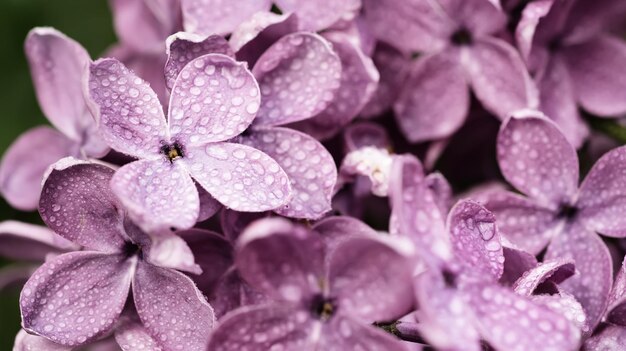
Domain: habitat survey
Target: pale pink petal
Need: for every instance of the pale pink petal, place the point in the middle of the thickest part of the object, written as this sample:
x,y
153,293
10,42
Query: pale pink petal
x,y
170,306
129,114
87,291
219,16
238,176
171,251
158,194
434,101
25,162
318,15
213,99
309,166
29,342
299,76
183,47
552,271
133,336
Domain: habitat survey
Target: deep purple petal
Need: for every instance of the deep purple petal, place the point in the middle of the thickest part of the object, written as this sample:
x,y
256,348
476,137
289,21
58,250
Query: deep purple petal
x,y
613,338
499,78
318,15
170,306
133,336
508,321
370,279
213,99
129,113
336,229
219,16
25,162
602,197
558,101
441,189
281,259
253,37
29,342
522,221
233,222
554,271
310,167
350,333
516,263
537,159
76,297
77,204
359,78
238,176
232,292
359,135
25,241
183,47
58,65
158,194
208,205
144,25
599,81
260,328
299,76
592,285
616,312
476,240
434,101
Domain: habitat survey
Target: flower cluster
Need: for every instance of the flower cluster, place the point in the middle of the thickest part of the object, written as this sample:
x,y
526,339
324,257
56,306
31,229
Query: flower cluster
x,y
326,175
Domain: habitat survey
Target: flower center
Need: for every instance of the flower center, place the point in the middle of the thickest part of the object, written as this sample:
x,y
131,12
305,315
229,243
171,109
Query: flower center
x,y
172,151
131,249
322,307
449,278
567,212
461,37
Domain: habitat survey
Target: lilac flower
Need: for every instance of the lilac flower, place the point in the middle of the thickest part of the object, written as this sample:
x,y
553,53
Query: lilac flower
x,y
575,61
29,342
612,338
77,297
297,76
461,50
324,297
213,100
58,65
616,310
536,158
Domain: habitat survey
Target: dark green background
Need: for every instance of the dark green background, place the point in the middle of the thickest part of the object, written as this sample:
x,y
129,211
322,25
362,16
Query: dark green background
x,y
88,22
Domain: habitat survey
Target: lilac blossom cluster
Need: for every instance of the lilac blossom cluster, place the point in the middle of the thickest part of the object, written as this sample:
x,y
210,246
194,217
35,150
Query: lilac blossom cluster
x,y
214,180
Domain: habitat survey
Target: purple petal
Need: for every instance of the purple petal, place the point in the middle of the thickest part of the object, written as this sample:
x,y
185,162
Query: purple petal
x,y
516,263
214,99
364,134
232,292
558,101
441,189
602,197
14,276
169,305
208,205
281,259
592,285
238,176
359,79
25,241
481,18
253,37
233,223
309,166
183,47
144,25
129,114
158,194
525,223
76,297
349,333
77,204
25,162
598,79
566,305
538,23
219,16
616,312
370,279
336,229
279,326
554,271
531,142
318,15
171,251
508,321
499,78
299,76
28,342
476,240
413,25
213,253
612,338
435,99
58,65
133,336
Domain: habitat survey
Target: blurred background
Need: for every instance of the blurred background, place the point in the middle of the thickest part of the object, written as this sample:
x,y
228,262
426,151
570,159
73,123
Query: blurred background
x,y
88,22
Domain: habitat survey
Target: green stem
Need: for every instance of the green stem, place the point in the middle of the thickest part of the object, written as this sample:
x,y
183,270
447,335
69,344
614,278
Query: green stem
x,y
608,127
